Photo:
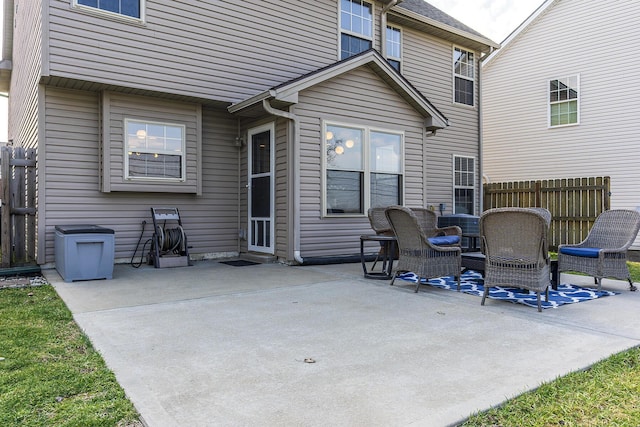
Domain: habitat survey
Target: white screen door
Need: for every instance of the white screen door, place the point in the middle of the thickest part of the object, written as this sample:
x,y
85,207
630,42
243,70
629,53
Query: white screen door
x,y
261,188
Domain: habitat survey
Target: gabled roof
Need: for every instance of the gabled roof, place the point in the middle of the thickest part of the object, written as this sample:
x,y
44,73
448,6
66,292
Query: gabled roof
x,y
424,16
519,30
286,93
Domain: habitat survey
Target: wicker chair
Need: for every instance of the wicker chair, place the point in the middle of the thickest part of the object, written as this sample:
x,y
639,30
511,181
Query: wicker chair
x,y
428,220
514,241
416,253
381,226
604,252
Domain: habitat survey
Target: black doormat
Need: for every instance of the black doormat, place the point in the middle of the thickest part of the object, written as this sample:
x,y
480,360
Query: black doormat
x,y
239,263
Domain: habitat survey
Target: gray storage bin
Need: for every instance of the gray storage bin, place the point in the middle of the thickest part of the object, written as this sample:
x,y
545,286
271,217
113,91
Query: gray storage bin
x,y
84,252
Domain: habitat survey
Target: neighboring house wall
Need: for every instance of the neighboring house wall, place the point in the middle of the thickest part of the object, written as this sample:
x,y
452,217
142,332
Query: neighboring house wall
x,y
519,145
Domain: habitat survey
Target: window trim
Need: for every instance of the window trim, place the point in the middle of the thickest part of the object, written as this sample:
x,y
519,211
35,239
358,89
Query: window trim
x,y
473,80
352,33
125,147
112,15
366,170
464,187
386,40
549,102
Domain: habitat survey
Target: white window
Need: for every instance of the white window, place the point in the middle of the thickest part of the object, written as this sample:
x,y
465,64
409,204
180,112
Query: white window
x,y
129,8
356,27
154,150
394,46
363,168
463,71
464,178
564,101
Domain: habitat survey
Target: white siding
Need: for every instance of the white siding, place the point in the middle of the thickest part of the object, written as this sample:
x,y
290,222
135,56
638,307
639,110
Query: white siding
x,y
518,145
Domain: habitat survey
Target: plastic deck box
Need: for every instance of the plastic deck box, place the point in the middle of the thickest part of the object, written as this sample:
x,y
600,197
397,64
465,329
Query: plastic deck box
x,y
84,252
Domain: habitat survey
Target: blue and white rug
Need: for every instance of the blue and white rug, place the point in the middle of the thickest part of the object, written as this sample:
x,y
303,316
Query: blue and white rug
x,y
471,282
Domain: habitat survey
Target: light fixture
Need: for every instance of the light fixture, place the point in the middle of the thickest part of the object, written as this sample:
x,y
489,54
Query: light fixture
x,y
349,143
339,149
329,135
142,134
155,155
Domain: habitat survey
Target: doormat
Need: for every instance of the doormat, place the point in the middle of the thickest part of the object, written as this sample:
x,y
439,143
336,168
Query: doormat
x,y
239,263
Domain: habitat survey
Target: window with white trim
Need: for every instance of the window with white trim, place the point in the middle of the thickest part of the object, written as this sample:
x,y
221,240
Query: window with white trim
x,y
564,101
154,150
363,168
463,74
356,27
130,8
464,178
394,46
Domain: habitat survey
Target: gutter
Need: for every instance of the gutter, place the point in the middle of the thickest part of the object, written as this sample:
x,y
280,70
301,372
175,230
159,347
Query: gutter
x,y
294,174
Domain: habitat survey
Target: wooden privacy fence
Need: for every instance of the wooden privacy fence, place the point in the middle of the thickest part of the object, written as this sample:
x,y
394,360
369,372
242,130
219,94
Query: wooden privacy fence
x,y
18,211
574,203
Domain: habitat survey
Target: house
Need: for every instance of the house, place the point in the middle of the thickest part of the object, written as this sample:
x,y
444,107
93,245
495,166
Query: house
x,y
271,126
560,98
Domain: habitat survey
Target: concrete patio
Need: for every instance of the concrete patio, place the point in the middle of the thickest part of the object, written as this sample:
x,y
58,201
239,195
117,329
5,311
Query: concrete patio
x,y
214,344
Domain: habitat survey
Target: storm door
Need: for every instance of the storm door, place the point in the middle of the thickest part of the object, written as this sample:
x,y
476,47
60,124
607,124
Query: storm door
x,y
261,188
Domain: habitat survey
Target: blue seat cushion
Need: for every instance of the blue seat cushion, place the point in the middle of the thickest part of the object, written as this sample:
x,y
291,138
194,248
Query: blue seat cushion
x,y
444,240
584,252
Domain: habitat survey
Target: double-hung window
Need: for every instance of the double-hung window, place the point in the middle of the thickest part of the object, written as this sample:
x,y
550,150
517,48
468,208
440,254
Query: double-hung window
x,y
154,150
464,178
364,168
129,8
463,71
564,101
356,27
394,46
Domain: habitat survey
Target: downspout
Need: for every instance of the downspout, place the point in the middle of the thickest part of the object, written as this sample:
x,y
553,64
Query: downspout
x,y
294,175
480,162
383,26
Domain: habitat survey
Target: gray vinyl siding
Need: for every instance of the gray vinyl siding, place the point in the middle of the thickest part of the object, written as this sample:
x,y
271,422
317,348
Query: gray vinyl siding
x,y
222,50
519,145
427,63
23,103
359,98
73,193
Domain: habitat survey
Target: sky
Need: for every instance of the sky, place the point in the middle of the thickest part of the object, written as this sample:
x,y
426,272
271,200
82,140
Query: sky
x,y
495,19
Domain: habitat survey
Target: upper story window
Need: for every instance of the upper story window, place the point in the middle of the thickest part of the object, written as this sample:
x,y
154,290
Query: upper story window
x,y
154,150
356,27
463,70
564,101
394,46
363,168
464,178
130,8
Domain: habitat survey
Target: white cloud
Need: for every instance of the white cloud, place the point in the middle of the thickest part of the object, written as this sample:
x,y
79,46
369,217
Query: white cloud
x,y
495,19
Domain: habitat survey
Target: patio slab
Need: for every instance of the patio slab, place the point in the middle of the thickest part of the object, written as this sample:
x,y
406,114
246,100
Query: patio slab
x,y
219,345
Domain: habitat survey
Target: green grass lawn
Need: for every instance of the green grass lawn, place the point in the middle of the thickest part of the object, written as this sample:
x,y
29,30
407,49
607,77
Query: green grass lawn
x,y
50,375
606,394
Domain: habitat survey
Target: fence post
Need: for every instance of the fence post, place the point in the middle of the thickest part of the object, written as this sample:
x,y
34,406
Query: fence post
x,y
5,210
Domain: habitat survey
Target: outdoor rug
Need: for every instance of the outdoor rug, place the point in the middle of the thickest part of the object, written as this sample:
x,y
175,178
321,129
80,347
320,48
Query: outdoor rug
x,y
471,282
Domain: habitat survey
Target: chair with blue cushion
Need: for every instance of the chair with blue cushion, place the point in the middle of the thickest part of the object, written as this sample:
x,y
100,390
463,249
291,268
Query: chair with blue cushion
x,y
514,242
604,252
443,236
417,253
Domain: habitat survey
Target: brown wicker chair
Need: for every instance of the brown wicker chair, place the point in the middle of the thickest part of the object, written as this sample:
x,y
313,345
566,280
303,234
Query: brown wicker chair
x,y
428,220
381,226
416,253
604,252
514,241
